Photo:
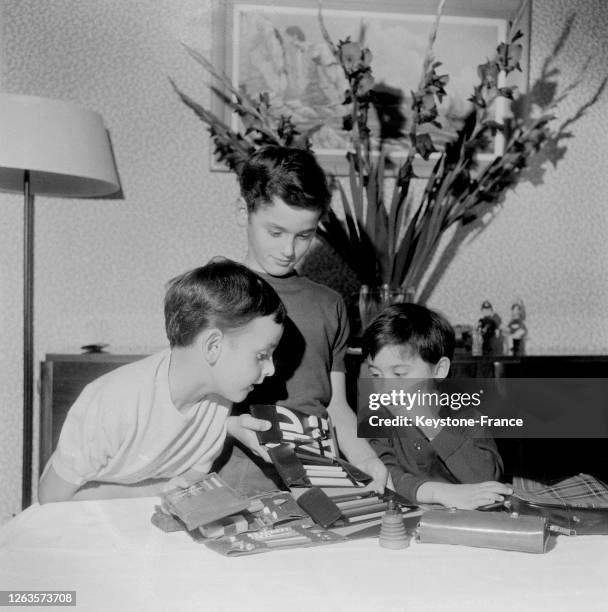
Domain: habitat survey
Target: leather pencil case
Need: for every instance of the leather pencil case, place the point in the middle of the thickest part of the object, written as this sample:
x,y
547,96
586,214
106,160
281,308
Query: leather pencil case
x,y
484,529
569,519
304,450
289,467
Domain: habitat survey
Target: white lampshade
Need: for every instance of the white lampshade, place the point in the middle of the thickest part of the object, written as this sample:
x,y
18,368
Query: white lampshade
x,y
64,146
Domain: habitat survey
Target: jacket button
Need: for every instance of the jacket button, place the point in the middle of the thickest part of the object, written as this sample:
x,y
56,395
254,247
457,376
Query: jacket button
x,y
418,445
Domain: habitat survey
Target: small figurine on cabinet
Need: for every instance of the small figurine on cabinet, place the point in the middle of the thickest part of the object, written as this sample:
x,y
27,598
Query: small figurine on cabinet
x,y
489,326
516,328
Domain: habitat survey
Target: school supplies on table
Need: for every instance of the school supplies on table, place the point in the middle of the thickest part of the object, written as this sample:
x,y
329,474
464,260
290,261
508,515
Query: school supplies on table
x,y
232,524
224,520
534,512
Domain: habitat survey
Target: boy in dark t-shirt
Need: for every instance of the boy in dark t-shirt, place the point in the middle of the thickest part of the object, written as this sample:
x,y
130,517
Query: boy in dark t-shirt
x,y
285,193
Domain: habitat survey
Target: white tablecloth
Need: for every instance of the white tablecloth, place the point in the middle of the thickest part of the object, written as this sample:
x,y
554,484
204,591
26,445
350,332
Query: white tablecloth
x,y
115,559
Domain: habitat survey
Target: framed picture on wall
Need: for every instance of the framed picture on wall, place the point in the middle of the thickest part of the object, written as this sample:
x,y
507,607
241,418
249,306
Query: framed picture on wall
x,y
277,48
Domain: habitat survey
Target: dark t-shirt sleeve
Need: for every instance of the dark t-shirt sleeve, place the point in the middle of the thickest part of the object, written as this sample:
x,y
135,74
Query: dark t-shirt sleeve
x,y
341,337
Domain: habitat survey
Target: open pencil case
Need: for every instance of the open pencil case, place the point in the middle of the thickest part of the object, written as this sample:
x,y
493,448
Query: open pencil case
x,y
304,450
353,512
224,520
328,521
293,535
214,508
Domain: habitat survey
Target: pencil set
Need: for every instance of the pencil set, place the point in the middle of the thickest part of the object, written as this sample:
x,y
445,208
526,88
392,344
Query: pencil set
x,y
304,451
328,476
265,511
276,538
350,509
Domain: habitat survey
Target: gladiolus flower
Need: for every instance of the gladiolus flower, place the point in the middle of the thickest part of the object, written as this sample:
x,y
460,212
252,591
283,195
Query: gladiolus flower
x,y
350,56
366,82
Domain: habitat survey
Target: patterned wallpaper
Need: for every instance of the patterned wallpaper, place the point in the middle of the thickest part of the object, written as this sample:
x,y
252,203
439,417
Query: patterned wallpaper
x,y
101,265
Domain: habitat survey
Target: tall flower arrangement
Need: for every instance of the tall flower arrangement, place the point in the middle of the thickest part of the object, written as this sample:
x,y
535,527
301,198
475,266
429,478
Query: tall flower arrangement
x,y
390,241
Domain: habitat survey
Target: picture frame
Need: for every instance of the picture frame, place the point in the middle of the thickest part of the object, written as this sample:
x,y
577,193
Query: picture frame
x,y
278,48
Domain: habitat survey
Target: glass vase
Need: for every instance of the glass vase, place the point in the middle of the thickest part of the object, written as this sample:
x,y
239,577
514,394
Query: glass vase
x,y
372,300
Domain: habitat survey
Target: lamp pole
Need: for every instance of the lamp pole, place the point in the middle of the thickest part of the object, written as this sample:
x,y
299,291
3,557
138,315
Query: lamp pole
x,y
28,338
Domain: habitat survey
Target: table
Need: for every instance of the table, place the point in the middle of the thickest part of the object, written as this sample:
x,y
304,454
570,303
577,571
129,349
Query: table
x,y
115,559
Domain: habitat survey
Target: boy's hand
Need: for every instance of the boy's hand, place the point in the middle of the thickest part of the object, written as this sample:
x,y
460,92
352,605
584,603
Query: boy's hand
x,y
463,496
243,428
374,467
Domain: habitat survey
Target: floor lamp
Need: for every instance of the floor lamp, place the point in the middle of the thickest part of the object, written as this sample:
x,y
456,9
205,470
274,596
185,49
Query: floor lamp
x,y
57,149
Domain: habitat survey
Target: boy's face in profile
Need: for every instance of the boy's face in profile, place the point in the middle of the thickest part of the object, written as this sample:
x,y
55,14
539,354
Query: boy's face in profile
x,y
278,236
401,361
246,357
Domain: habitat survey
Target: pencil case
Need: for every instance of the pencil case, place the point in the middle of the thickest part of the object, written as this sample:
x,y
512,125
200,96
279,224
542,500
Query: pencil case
x,y
205,501
304,451
313,434
293,535
484,530
265,511
349,509
214,509
578,504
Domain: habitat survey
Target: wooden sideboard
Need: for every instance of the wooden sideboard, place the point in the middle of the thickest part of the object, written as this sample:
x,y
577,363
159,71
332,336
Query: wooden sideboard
x,y
64,376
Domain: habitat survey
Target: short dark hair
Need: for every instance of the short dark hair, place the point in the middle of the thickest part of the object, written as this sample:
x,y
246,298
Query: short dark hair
x,y
291,174
222,294
425,331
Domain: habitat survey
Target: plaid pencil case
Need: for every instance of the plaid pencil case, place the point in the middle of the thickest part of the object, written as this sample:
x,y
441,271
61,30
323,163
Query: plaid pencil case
x,y
578,504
